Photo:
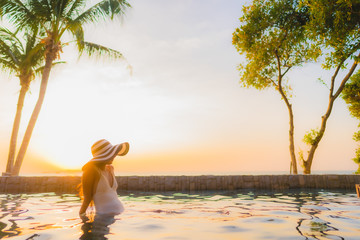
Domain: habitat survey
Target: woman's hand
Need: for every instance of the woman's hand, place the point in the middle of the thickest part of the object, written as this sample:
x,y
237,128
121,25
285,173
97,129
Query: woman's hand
x,y
83,217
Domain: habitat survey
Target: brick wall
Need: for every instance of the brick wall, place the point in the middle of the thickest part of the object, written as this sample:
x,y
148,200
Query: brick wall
x,y
68,184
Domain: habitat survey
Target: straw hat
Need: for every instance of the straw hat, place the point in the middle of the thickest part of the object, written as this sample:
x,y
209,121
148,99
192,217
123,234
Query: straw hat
x,y
103,150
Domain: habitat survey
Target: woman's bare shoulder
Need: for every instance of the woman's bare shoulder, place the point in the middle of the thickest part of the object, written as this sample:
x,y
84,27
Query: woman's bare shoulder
x,y
90,172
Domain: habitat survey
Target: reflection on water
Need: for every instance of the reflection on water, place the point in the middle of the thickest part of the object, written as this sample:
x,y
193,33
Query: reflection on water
x,y
9,205
206,215
98,228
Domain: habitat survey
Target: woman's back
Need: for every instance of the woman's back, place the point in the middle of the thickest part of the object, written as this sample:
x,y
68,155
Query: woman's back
x,y
105,197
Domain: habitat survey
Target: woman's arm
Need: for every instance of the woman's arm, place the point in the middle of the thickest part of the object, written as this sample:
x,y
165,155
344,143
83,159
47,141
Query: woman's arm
x,y
88,181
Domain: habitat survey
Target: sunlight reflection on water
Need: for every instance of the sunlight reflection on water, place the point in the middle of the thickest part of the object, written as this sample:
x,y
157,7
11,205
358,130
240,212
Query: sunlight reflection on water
x,y
205,215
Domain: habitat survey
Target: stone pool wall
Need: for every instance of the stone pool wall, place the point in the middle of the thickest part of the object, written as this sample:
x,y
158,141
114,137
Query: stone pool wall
x,y
184,183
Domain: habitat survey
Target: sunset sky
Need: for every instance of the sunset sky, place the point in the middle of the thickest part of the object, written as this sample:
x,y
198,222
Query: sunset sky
x,y
180,104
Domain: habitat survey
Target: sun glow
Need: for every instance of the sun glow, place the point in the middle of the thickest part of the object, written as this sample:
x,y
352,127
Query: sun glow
x,y
80,109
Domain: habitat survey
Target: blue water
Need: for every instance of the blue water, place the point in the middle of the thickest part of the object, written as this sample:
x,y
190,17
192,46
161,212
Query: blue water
x,y
203,215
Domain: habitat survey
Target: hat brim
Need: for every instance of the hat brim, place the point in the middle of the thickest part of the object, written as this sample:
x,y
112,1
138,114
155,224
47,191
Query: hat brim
x,y
116,150
125,147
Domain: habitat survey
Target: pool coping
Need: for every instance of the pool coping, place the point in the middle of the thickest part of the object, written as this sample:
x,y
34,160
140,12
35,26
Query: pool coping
x,y
183,183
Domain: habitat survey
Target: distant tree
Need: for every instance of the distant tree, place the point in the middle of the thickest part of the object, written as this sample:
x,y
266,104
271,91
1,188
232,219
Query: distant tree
x,y
351,95
56,18
272,37
335,26
22,57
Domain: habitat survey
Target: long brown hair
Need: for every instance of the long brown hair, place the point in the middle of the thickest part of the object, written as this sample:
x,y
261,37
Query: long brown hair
x,y
94,164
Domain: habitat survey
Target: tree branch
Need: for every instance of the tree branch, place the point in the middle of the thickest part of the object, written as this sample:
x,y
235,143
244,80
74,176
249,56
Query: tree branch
x,y
285,72
333,79
280,77
346,78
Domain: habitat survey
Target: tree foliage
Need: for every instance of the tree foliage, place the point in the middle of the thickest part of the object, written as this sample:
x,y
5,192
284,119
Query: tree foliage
x,y
54,19
272,28
351,95
20,54
278,35
272,38
310,138
334,26
57,17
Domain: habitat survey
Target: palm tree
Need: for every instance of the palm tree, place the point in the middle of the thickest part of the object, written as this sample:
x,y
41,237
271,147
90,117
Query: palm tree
x,y
57,18
24,60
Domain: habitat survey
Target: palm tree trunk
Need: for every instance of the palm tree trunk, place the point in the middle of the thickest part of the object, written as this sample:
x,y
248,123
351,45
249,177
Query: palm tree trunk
x,y
15,130
34,116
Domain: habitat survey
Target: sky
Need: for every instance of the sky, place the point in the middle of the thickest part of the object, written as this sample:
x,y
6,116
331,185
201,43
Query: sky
x,y
176,99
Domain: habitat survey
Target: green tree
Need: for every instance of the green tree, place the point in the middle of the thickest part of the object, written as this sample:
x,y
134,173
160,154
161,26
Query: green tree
x,y
335,26
351,95
56,18
23,59
272,37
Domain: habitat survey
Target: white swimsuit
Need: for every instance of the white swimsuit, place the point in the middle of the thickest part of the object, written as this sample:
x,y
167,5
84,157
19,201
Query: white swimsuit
x,y
105,198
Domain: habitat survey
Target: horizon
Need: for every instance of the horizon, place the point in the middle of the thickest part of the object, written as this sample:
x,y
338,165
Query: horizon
x,y
78,173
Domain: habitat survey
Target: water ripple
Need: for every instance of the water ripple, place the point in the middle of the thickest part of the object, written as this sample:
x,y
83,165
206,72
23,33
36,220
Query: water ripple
x,y
187,216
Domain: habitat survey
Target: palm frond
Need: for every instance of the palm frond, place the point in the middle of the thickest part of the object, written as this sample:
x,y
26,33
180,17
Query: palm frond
x,y
8,66
7,35
76,30
18,58
42,10
30,39
75,8
39,70
11,47
59,6
106,8
18,13
34,56
98,51
6,52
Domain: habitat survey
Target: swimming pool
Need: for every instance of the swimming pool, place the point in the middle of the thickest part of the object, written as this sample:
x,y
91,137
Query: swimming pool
x,y
182,216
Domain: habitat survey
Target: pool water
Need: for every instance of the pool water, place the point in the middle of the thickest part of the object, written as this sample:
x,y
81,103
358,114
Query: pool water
x,y
182,216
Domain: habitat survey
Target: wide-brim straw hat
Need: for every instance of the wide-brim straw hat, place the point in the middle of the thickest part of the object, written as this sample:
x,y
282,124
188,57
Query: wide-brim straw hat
x,y
103,150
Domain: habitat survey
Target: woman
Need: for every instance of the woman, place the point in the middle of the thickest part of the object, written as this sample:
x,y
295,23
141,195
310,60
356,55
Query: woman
x,y
98,180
